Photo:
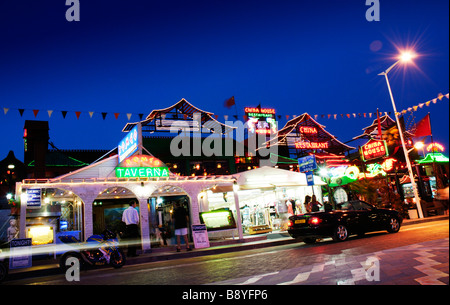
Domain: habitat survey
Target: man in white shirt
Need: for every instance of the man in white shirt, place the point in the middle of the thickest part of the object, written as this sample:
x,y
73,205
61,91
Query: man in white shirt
x,y
131,218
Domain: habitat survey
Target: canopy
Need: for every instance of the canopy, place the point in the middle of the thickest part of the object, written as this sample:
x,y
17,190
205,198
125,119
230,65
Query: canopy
x,y
433,157
266,177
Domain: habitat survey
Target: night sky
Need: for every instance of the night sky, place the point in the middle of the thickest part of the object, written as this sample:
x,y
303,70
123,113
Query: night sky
x,y
133,56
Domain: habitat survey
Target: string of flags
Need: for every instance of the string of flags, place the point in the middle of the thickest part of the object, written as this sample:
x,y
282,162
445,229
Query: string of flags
x,y
226,117
434,101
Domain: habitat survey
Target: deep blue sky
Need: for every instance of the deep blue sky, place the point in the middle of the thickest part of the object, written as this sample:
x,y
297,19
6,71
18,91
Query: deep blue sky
x,y
135,56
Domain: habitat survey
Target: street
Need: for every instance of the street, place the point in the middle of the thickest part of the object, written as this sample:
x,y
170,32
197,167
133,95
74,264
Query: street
x,y
417,255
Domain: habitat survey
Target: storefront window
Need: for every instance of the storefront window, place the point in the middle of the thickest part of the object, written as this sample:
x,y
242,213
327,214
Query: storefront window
x,y
262,210
59,213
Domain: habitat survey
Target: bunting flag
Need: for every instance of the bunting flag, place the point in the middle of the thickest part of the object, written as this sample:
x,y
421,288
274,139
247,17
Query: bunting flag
x,y
231,102
420,105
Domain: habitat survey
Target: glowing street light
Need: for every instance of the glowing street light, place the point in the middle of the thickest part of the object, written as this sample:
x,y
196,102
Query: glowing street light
x,y
405,57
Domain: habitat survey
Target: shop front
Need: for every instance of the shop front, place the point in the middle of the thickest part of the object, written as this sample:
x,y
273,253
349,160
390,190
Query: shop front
x,y
265,198
89,200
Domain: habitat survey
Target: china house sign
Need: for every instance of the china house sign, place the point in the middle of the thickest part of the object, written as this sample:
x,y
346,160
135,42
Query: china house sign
x,y
374,149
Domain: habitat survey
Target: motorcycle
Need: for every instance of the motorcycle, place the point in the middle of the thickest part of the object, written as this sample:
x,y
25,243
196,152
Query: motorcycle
x,y
98,250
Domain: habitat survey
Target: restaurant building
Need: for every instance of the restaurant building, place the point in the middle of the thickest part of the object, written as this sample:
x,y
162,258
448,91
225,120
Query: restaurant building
x,y
89,199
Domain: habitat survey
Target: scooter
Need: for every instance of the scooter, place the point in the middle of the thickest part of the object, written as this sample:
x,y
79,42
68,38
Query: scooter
x,y
98,250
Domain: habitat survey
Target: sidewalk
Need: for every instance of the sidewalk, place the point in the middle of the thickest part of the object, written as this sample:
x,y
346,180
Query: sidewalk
x,y
50,266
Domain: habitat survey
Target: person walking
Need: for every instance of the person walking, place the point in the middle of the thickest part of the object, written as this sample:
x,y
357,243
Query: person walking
x,y
131,218
181,220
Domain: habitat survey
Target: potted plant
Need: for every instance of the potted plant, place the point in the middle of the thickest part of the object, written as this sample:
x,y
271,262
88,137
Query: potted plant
x,y
15,206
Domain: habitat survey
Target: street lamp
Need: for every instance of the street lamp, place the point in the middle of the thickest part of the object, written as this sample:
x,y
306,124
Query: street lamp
x,y
405,57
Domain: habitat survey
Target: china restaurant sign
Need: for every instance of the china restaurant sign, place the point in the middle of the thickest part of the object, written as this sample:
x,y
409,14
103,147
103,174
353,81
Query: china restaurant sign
x,y
141,166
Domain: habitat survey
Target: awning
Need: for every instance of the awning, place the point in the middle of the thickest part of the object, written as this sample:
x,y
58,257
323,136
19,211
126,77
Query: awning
x,y
269,177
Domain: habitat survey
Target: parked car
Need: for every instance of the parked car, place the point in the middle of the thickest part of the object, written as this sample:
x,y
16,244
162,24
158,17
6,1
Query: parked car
x,y
352,217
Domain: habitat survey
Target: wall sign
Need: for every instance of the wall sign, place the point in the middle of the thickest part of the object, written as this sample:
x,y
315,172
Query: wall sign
x,y
311,145
130,143
141,172
142,166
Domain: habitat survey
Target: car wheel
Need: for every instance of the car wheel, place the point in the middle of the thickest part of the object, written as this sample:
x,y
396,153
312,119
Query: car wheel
x,y
393,225
340,233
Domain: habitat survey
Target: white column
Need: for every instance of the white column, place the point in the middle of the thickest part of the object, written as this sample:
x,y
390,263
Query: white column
x,y
144,225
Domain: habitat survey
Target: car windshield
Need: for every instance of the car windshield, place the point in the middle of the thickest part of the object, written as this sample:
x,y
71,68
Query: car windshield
x,y
353,206
346,206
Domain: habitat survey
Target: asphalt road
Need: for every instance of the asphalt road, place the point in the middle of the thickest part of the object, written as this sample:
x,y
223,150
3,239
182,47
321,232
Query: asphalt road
x,y
418,254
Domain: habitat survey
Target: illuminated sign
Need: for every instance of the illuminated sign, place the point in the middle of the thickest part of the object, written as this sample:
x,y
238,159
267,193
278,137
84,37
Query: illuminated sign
x,y
374,149
141,166
130,143
388,164
435,147
311,145
308,130
258,110
141,161
141,172
261,120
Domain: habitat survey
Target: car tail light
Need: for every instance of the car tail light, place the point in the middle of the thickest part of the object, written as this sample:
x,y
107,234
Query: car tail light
x,y
290,223
314,221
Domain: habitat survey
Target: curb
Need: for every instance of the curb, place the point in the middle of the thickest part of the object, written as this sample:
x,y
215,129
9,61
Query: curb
x,y
239,245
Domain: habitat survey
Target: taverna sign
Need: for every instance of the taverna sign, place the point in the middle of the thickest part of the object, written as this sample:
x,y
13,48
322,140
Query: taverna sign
x,y
142,166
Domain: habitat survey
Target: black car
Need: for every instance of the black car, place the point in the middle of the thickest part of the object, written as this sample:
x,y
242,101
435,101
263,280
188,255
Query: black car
x,y
351,217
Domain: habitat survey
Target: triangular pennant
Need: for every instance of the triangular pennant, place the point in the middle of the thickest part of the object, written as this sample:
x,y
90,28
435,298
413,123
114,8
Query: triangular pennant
x,y
335,116
329,116
440,96
287,116
421,105
446,95
35,112
225,117
140,116
77,113
348,115
91,113
104,115
415,108
128,116
116,115
5,110
49,113
434,101
64,113
428,103
21,111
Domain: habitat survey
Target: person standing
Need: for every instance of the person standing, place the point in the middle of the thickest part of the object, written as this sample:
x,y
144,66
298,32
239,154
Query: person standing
x,y
181,220
315,205
131,218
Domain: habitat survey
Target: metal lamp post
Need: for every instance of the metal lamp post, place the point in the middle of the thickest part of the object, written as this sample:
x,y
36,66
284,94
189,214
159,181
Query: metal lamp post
x,y
405,57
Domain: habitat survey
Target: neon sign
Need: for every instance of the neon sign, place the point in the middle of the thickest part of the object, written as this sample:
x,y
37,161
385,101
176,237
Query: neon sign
x,y
130,143
374,149
141,166
141,172
308,130
261,120
253,110
435,147
311,145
